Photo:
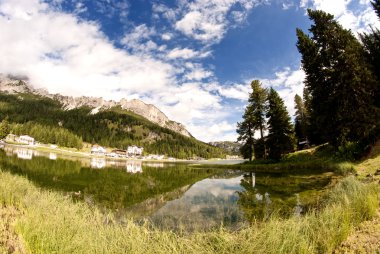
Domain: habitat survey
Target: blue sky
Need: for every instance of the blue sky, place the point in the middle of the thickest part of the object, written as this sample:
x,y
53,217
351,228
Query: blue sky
x,y
192,59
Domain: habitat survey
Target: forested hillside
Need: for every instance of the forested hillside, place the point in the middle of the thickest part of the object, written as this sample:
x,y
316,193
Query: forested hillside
x,y
44,119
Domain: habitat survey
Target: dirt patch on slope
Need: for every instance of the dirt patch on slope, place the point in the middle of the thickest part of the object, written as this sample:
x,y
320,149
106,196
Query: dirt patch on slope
x,y
9,240
365,239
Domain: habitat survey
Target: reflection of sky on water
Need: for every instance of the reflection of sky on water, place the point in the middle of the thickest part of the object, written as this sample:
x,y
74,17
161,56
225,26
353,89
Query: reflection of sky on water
x,y
208,203
217,187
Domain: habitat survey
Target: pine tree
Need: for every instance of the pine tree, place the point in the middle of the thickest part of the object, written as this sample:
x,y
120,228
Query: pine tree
x,y
257,104
300,121
281,136
245,129
4,128
339,80
253,119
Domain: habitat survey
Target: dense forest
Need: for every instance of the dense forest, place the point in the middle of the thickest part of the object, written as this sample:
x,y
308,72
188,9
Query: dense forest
x,y
45,119
340,103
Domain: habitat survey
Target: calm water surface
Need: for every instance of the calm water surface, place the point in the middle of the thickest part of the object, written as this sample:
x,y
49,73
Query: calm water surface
x,y
169,195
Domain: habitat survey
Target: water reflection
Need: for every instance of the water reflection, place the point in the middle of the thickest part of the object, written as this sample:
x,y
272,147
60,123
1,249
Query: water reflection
x,y
170,195
22,153
98,163
207,204
134,167
131,166
286,195
52,156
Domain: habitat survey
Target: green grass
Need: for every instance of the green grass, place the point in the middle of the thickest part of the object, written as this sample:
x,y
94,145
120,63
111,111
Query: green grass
x,y
48,222
315,160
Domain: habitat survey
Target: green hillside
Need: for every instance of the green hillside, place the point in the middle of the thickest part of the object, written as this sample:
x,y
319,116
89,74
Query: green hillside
x,y
44,119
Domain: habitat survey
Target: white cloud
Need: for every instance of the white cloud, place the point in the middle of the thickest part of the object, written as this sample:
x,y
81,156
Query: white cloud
x,y
358,19
198,74
235,91
161,9
207,21
166,36
138,40
216,131
184,53
287,5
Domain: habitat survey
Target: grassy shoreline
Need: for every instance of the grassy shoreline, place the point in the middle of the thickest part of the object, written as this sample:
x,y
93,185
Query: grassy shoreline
x,y
47,222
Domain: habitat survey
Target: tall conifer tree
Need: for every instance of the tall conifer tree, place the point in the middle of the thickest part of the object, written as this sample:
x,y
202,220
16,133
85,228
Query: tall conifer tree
x,y
257,103
253,119
246,134
281,136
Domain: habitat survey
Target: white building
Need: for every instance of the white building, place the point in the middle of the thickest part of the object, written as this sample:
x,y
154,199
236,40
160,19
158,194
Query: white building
x,y
25,139
98,150
135,151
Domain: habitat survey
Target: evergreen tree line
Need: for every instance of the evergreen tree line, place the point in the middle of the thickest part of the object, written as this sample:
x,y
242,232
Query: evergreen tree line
x,y
48,134
341,98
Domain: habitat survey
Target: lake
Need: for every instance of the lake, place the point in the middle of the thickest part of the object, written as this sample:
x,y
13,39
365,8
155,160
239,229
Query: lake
x,y
176,196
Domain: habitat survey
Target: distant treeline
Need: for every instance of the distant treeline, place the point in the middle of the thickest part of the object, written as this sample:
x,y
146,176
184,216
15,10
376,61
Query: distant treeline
x,y
44,119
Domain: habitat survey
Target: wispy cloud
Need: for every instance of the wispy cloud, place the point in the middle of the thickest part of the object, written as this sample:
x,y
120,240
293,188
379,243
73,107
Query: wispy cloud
x,y
358,19
207,21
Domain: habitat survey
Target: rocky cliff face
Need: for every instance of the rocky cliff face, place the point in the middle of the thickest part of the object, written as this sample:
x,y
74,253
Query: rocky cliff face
x,y
148,111
232,147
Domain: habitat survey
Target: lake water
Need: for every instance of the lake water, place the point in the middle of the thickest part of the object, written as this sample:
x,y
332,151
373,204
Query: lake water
x,y
169,195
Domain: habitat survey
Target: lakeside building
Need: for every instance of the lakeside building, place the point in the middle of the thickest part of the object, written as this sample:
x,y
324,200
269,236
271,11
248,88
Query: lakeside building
x,y
118,153
25,139
135,151
96,149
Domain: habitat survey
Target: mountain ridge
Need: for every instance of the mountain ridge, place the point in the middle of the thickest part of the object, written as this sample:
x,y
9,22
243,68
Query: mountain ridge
x,y
14,85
